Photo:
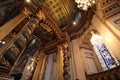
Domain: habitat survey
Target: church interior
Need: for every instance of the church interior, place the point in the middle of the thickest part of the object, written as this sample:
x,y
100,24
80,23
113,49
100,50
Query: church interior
x,y
59,39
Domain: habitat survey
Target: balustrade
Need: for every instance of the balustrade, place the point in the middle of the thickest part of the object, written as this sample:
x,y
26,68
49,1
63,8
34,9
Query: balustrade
x,y
112,74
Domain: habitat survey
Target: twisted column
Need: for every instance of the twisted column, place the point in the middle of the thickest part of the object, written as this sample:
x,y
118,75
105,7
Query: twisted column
x,y
65,61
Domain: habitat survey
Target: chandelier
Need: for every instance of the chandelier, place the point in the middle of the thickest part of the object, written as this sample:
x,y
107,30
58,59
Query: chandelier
x,y
84,4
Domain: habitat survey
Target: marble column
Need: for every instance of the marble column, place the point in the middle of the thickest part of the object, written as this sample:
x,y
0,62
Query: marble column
x,y
59,64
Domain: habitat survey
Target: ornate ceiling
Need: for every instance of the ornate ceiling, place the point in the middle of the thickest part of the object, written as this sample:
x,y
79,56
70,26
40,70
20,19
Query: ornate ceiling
x,y
61,11
55,19
64,13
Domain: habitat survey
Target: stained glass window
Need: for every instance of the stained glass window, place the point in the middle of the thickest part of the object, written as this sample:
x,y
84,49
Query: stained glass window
x,y
105,56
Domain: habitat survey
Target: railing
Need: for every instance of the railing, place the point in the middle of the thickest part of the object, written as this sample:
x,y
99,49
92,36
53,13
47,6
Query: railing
x,y
112,74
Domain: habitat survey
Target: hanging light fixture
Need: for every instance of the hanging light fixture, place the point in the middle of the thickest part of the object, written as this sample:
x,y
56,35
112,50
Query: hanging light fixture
x,y
84,4
28,1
